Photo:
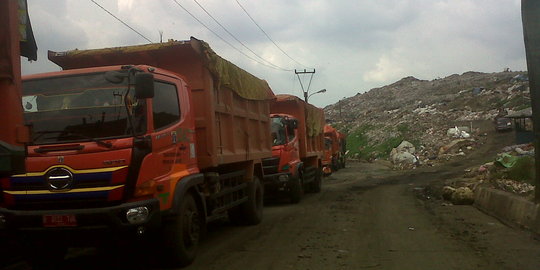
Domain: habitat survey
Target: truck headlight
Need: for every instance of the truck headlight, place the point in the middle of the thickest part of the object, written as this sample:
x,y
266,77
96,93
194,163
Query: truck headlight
x,y
283,178
137,215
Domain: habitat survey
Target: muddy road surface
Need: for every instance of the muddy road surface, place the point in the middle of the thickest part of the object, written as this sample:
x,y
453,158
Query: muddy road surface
x,y
369,217
366,217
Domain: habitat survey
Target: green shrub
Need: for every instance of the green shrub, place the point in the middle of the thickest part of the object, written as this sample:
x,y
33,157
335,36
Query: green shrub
x,y
403,128
358,143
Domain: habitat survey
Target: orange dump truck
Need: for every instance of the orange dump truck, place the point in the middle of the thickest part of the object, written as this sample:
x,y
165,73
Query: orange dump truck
x,y
334,151
138,142
15,36
297,135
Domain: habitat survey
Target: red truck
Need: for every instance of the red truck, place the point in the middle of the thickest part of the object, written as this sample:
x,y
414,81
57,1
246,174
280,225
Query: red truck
x,y
297,136
139,142
335,148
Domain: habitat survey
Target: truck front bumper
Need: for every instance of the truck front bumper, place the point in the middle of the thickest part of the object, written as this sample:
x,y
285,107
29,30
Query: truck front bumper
x,y
85,224
279,182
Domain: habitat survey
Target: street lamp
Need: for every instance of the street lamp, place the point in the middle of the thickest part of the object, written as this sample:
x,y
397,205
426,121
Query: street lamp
x,y
318,92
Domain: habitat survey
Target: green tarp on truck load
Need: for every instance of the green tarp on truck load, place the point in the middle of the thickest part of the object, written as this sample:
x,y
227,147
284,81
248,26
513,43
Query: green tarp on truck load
x,y
314,120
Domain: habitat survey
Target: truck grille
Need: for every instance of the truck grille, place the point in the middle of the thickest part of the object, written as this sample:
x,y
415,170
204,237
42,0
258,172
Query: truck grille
x,y
90,188
270,165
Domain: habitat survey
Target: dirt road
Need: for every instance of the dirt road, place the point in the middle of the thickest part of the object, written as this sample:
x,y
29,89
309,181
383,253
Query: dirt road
x,y
370,220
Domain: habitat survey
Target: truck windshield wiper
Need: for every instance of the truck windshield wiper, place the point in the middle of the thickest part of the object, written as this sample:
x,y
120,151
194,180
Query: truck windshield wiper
x,y
67,133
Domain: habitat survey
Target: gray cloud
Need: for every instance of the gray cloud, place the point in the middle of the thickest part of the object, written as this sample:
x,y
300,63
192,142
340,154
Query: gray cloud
x,y
354,45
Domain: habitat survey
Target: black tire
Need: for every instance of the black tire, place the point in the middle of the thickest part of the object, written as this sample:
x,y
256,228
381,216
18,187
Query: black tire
x,y
296,190
251,211
335,165
182,233
317,182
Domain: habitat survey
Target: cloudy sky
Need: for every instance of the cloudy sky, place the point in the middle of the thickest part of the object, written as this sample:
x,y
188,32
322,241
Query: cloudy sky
x,y
354,45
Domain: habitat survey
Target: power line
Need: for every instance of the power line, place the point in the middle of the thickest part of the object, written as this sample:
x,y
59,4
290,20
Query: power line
x,y
264,32
121,21
222,39
235,38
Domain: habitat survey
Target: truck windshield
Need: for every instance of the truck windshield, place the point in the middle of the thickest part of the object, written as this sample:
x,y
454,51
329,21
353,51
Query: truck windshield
x,y
327,143
278,131
79,108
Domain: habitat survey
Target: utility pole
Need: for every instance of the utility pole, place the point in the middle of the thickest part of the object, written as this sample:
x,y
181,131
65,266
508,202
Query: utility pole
x,y
305,91
340,116
531,33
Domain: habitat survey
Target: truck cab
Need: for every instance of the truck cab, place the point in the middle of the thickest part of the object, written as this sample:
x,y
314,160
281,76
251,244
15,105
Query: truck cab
x,y
327,156
297,134
282,173
105,145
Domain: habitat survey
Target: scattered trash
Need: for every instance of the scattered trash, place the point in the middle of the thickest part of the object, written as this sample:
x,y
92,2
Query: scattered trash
x,y
513,186
462,196
507,160
455,144
411,229
404,155
447,192
482,168
408,109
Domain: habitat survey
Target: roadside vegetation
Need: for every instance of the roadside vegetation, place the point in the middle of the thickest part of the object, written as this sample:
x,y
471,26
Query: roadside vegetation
x,y
360,147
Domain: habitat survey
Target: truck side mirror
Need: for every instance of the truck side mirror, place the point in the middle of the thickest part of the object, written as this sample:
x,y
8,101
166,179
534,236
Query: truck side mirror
x,y
144,85
293,123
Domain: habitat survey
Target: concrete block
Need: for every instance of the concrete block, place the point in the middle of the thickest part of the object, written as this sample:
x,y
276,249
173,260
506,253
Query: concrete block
x,y
508,207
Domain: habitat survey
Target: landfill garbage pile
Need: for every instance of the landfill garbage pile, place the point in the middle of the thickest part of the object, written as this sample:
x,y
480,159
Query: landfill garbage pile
x,y
441,117
512,170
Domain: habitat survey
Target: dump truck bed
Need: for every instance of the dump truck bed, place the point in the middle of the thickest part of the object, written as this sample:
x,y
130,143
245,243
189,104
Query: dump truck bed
x,y
232,107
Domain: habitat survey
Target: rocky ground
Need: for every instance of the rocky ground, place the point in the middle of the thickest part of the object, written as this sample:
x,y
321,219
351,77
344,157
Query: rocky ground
x,y
418,123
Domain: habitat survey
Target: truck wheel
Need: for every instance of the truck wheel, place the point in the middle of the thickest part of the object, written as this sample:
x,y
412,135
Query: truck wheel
x,y
296,190
250,212
335,165
317,182
182,233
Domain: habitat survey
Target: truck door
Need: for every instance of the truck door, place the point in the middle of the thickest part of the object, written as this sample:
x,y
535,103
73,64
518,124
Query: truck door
x,y
166,119
167,152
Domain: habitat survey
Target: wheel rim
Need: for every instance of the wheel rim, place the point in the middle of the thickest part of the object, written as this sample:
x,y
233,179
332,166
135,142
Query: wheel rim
x,y
191,228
